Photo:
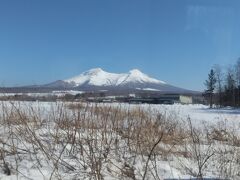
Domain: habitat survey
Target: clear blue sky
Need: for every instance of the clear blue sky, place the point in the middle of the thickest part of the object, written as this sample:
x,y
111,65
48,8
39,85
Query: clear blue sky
x,y
177,41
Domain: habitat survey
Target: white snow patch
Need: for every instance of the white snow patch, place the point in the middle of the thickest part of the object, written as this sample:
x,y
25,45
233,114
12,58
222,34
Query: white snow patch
x,y
148,89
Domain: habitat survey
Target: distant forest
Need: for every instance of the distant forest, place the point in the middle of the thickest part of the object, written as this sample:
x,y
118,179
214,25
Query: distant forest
x,y
223,85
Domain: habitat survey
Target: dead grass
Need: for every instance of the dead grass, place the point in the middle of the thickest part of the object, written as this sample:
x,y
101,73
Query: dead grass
x,y
96,140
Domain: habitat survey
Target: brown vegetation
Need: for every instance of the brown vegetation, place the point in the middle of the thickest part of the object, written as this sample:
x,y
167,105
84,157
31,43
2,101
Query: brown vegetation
x,y
97,141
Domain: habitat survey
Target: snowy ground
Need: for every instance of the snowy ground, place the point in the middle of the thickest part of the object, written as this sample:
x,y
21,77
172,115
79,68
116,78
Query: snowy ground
x,y
37,164
202,115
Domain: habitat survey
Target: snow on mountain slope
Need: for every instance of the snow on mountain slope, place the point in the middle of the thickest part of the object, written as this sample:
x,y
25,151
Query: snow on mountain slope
x,y
98,77
137,76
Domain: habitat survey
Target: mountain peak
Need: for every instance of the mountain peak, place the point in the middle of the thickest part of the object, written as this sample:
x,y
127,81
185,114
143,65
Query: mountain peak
x,y
135,75
94,71
135,71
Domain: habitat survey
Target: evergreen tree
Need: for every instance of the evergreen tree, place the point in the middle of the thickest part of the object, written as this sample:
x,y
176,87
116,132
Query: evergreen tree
x,y
210,85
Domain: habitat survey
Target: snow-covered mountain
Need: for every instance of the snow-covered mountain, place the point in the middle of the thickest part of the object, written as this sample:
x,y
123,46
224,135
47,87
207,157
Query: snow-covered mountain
x,y
98,77
100,80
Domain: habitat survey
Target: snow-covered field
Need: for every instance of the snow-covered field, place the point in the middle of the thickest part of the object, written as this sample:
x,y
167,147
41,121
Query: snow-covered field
x,y
43,140
201,115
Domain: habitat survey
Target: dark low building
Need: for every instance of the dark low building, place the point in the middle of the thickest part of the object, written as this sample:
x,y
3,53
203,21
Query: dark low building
x,y
164,99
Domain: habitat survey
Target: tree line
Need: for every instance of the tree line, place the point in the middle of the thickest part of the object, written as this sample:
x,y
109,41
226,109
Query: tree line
x,y
223,86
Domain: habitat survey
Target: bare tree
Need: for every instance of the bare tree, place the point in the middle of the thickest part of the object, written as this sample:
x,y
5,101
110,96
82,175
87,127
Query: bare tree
x,y
200,153
237,69
219,78
230,86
